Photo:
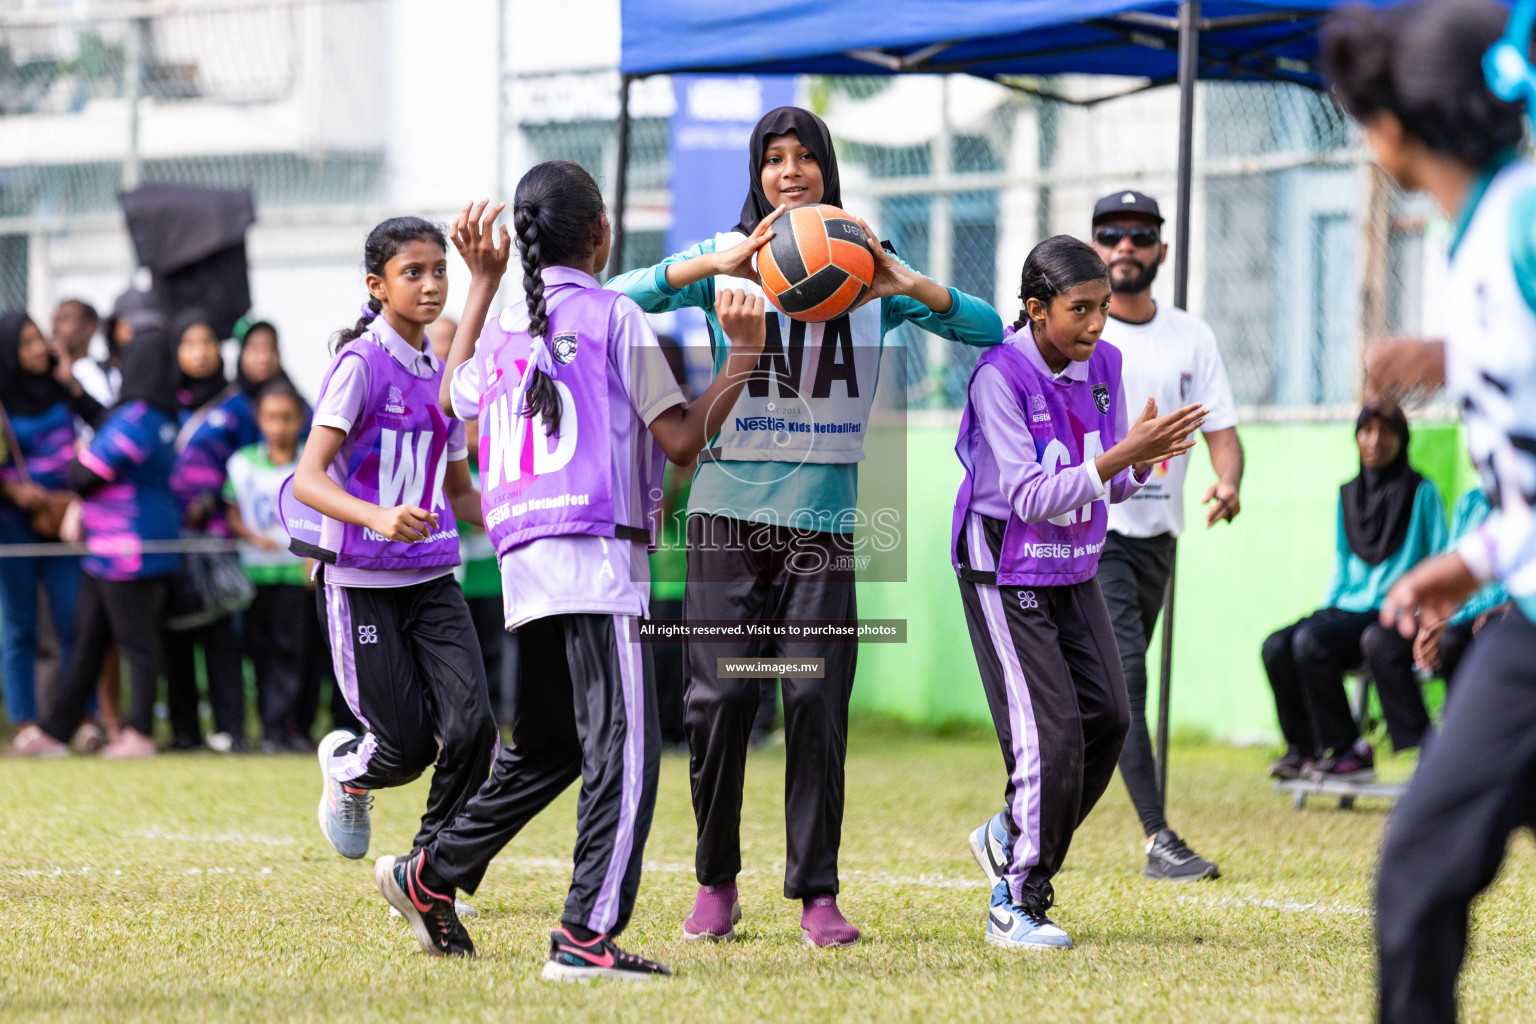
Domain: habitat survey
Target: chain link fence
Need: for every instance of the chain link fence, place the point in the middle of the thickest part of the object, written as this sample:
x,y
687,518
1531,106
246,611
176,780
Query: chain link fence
x,y
1299,252
219,93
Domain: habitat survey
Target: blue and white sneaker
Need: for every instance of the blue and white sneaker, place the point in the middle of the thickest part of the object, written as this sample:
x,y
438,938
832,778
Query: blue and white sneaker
x,y
343,811
1012,926
989,845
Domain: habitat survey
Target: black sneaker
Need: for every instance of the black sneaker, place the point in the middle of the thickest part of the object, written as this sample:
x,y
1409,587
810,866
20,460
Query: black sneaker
x,y
1169,859
431,914
1290,766
1356,763
573,960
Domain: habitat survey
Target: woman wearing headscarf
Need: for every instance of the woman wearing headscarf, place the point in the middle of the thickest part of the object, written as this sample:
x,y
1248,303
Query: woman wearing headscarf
x,y
124,481
771,517
1390,518
212,430
260,363
39,411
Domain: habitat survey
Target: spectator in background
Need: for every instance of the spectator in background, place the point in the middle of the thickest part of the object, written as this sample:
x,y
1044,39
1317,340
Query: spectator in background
x,y
74,325
280,626
1390,519
37,412
133,312
1438,647
211,431
260,363
124,480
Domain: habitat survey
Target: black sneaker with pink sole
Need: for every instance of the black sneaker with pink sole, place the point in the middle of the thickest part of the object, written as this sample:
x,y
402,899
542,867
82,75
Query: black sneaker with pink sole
x,y
1355,763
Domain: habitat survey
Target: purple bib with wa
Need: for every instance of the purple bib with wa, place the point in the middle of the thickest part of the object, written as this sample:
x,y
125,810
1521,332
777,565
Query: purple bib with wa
x,y
399,456
1069,422
534,484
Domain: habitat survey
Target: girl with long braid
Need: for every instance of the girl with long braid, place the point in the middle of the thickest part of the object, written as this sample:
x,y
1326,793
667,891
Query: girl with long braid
x,y
577,408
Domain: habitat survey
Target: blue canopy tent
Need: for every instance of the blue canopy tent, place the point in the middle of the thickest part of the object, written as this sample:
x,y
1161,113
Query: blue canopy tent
x,y
1162,41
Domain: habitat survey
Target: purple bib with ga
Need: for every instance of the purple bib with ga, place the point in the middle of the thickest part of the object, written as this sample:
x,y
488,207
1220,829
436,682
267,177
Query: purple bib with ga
x,y
1069,422
534,484
399,456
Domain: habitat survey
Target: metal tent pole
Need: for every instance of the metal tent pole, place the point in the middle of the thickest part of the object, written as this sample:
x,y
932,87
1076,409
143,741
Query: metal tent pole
x,y
1189,68
621,178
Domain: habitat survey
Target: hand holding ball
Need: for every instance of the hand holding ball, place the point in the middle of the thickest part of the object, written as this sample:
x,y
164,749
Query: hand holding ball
x,y
818,265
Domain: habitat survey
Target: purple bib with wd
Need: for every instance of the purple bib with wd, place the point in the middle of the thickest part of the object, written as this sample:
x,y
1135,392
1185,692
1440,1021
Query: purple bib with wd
x,y
534,484
1069,422
399,456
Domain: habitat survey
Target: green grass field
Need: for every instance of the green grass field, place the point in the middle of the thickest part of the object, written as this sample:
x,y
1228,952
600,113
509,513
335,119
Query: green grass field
x,y
198,888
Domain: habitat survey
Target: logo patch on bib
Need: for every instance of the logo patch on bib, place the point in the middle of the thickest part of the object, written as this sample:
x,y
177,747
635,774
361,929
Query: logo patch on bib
x,y
563,348
1101,397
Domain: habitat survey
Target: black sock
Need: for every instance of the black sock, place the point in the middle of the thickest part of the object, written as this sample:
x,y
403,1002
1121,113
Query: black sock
x,y
581,933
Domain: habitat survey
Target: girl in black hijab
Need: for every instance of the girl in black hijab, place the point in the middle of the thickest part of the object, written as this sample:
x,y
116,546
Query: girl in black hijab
x,y
209,436
260,364
1389,519
123,479
1378,504
791,163
200,366
39,416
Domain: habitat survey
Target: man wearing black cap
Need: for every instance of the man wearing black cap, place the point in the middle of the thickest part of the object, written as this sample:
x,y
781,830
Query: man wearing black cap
x,y
1171,356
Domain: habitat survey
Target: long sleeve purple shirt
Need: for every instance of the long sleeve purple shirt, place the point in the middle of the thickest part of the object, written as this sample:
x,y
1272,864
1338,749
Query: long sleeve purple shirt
x,y
1009,476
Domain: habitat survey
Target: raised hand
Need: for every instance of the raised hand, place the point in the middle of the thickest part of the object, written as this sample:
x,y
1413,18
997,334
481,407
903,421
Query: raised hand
x,y
741,317
484,250
737,260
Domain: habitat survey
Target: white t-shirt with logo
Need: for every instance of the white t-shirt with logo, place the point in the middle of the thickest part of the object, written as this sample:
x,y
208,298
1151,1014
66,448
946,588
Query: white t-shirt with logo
x,y
1173,358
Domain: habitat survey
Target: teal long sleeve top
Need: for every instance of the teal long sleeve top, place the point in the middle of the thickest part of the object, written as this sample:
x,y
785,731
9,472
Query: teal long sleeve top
x,y
816,495
1470,511
1358,587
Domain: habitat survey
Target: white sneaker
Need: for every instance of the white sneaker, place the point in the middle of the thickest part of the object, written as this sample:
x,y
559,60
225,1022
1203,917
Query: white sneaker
x,y
1011,926
343,813
989,845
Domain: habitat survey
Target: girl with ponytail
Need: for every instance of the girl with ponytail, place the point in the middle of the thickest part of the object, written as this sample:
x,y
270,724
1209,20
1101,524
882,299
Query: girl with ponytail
x,y
577,410
1046,446
385,470
1435,84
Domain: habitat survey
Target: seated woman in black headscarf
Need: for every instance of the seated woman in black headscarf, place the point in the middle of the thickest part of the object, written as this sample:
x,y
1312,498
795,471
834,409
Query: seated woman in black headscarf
x,y
1390,518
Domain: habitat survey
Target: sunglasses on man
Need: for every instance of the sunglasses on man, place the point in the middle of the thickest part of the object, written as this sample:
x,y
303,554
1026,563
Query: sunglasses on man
x,y
1141,238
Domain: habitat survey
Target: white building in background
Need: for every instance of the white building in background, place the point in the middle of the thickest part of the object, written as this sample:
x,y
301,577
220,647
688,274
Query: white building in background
x,y
338,112
342,112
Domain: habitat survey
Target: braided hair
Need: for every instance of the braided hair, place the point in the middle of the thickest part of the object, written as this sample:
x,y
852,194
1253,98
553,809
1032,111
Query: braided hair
x,y
385,242
1056,264
553,211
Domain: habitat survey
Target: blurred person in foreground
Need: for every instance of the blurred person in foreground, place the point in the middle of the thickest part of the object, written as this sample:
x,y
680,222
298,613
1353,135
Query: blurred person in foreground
x,y
1394,660
1413,76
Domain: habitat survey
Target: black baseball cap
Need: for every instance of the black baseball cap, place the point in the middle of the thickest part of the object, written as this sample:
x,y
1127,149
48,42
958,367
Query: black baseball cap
x,y
1128,201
